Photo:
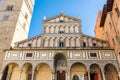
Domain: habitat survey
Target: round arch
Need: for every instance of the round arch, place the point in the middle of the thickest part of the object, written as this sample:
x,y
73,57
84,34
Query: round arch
x,y
95,72
60,60
27,63
78,71
110,72
43,72
6,64
11,71
49,63
26,71
60,66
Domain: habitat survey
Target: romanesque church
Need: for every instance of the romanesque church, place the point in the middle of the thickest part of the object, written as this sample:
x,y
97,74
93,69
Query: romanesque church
x,y
60,52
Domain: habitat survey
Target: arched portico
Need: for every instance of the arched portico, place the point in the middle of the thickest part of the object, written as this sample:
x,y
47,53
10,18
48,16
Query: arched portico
x,y
60,66
78,71
11,72
26,72
43,72
95,72
111,72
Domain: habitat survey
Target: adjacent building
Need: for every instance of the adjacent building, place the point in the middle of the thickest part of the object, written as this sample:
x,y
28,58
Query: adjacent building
x,y
15,17
108,25
61,52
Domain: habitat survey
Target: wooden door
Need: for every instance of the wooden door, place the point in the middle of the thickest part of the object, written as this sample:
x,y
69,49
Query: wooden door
x,y
60,75
29,76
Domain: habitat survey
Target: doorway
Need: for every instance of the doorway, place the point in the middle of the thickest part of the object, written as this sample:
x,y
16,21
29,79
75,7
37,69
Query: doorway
x,y
61,75
93,76
60,64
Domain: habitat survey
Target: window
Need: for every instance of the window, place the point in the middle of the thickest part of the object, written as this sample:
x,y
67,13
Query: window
x,y
61,44
9,8
117,11
110,24
84,44
29,55
26,16
93,55
61,21
5,17
94,44
61,31
29,45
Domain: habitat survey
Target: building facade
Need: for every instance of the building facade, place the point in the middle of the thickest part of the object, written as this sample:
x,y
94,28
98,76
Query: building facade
x,y
61,52
108,25
15,17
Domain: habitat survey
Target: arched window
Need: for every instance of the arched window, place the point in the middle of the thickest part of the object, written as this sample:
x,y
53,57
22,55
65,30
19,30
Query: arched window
x,y
61,44
9,8
26,16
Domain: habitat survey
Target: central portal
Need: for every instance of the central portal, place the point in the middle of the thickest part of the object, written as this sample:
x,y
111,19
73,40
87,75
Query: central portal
x,y
60,64
60,75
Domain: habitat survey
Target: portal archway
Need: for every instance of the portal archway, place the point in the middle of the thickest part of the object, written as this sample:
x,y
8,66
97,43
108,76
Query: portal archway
x,y
60,66
111,72
43,72
26,72
11,72
95,72
78,71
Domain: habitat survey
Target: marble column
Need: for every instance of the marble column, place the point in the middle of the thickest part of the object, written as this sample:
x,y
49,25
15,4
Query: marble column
x,y
49,29
19,78
103,75
69,29
53,76
48,42
32,78
88,74
69,42
59,29
64,29
68,75
64,40
54,42
102,71
75,42
73,29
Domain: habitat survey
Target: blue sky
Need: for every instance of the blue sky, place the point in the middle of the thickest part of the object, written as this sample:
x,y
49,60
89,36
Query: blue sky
x,y
86,9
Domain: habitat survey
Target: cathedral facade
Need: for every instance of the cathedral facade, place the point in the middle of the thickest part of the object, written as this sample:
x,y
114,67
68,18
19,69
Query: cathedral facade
x,y
61,52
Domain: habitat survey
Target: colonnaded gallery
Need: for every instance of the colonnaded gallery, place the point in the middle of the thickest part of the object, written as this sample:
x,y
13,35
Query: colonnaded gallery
x,y
60,52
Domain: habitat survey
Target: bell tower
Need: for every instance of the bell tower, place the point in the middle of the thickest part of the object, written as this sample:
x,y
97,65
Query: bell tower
x,y
15,17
